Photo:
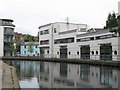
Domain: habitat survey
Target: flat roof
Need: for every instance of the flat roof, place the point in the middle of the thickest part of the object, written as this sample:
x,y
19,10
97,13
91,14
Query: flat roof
x,y
59,22
7,20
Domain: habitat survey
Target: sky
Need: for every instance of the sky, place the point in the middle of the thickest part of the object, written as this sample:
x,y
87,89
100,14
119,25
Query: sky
x,y
28,15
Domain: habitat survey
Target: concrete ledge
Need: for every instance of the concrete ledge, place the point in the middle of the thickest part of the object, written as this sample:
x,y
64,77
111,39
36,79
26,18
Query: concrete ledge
x,y
10,79
73,61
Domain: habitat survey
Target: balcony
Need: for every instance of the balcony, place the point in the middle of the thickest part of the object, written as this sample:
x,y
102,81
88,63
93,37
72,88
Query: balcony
x,y
8,31
7,24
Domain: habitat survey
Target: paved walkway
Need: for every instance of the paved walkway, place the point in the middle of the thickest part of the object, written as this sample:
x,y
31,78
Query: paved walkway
x,y
9,77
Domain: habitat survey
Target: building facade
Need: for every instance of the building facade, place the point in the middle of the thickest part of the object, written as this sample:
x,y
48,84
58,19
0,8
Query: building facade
x,y
63,40
29,49
6,33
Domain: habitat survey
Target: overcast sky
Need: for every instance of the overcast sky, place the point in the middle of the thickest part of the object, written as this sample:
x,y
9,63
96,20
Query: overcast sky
x,y
28,15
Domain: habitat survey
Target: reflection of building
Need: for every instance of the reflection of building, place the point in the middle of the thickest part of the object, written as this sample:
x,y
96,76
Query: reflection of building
x,y
77,76
59,75
26,51
6,36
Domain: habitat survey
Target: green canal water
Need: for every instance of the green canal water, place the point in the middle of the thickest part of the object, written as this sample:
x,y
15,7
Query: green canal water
x,y
36,74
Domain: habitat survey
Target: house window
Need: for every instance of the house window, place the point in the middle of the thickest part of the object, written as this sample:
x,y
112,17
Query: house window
x,y
36,52
25,46
24,52
36,46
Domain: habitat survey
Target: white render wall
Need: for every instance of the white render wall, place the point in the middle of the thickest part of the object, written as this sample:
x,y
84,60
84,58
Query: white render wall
x,y
73,48
119,7
1,41
60,27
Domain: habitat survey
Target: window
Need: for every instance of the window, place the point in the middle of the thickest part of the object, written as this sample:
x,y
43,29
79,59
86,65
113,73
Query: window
x,y
24,52
25,46
69,53
36,46
65,40
55,31
44,42
41,32
83,29
46,31
47,51
85,39
96,52
105,36
92,52
35,52
115,52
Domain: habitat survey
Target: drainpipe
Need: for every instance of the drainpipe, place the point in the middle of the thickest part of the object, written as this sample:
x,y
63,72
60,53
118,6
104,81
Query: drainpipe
x,y
52,40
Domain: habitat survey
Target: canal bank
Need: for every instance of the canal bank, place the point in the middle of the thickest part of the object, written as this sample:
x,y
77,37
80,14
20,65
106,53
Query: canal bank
x,y
73,61
9,77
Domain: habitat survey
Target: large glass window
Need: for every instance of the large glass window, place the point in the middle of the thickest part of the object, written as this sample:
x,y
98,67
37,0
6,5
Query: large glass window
x,y
44,32
85,39
65,40
106,36
44,42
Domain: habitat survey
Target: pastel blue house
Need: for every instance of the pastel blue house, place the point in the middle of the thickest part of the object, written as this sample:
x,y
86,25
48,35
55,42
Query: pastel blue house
x,y
24,49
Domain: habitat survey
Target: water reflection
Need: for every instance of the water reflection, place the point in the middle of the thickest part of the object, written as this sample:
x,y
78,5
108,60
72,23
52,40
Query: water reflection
x,y
61,75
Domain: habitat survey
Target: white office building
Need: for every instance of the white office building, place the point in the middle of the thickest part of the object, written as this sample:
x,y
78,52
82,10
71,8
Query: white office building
x,y
68,40
6,35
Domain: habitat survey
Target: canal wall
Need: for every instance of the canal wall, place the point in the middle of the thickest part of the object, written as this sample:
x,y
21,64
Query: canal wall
x,y
9,77
73,61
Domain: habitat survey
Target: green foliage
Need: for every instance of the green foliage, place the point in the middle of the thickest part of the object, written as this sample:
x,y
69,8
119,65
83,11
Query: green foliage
x,y
29,38
116,30
30,48
111,21
54,58
15,48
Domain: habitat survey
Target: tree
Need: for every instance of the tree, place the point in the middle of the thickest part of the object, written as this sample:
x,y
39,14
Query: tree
x,y
111,21
15,48
29,38
117,28
30,49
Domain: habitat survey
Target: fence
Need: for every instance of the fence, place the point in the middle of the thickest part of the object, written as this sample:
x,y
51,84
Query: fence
x,y
83,57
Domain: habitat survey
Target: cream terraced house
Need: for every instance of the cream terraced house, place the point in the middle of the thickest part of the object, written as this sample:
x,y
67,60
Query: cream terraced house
x,y
6,36
69,40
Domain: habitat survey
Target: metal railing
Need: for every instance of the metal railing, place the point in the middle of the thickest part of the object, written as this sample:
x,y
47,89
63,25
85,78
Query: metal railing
x,y
83,57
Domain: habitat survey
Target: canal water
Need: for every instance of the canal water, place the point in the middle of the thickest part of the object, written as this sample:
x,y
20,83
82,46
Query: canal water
x,y
36,74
